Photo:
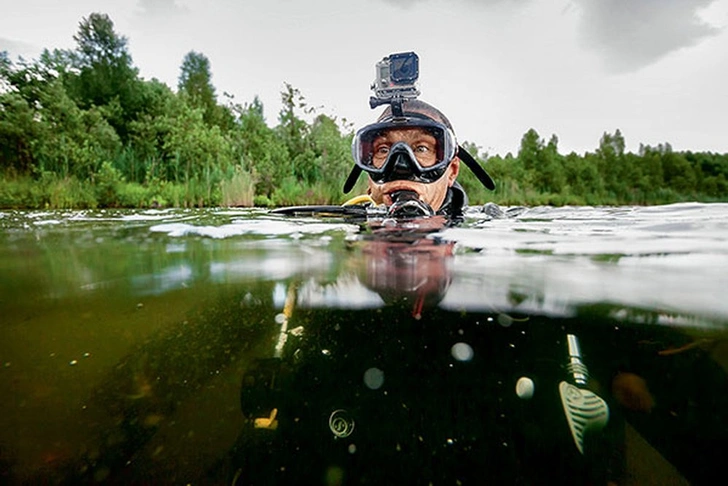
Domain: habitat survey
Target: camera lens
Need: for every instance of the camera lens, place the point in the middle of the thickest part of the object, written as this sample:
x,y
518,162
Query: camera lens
x,y
404,68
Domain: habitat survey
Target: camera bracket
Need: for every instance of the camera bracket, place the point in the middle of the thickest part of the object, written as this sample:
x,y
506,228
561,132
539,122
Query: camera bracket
x,y
395,103
396,81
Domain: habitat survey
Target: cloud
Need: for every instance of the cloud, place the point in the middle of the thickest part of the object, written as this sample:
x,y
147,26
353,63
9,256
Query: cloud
x,y
477,3
632,34
160,7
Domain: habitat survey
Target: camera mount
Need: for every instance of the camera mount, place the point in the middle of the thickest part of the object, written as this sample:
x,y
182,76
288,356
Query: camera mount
x,y
396,81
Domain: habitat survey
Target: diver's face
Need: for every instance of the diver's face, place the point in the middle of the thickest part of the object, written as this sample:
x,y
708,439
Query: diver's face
x,y
423,145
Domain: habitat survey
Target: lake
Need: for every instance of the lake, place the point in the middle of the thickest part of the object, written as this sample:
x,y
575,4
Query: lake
x,y
235,346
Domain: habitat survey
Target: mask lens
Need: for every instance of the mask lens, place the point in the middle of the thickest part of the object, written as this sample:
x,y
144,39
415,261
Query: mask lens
x,y
424,146
431,144
427,148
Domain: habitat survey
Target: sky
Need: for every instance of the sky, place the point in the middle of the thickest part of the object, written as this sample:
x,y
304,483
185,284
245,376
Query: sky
x,y
657,70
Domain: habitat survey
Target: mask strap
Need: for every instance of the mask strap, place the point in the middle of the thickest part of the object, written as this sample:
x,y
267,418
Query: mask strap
x,y
351,180
475,167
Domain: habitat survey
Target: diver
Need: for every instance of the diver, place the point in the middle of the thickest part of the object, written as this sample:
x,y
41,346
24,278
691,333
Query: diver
x,y
412,160
410,154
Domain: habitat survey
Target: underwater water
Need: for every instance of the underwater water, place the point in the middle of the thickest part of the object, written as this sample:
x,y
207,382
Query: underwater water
x,y
577,345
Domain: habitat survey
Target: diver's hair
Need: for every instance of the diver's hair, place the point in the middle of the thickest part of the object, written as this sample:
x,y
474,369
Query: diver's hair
x,y
420,108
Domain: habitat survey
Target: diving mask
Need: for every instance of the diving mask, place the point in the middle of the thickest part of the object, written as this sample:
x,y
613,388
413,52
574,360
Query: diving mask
x,y
425,158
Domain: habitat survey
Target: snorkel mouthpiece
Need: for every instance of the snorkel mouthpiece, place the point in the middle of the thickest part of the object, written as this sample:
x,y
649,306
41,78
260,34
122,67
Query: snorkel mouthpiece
x,y
407,204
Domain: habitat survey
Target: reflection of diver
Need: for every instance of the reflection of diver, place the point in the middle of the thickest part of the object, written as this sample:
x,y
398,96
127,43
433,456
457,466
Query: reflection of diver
x,y
417,397
406,265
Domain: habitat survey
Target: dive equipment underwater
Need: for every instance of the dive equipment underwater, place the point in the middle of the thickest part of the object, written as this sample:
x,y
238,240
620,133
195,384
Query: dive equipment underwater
x,y
585,410
260,390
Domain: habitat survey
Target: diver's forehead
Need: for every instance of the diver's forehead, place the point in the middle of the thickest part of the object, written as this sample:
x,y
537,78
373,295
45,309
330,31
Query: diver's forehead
x,y
404,133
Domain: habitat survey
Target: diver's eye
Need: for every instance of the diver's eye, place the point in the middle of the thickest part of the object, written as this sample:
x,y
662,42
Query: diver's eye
x,y
422,149
380,155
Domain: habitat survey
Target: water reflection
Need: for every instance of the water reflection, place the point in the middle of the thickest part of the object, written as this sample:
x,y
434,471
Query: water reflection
x,y
404,264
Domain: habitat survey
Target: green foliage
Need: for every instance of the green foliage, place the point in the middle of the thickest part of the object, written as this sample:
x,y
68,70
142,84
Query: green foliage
x,y
79,128
195,85
260,150
104,75
239,190
108,185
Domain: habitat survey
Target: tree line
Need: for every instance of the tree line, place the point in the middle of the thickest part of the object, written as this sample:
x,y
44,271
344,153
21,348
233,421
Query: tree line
x,y
80,128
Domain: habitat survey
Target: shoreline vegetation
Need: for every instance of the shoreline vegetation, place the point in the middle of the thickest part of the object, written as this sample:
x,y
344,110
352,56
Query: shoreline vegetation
x,y
80,129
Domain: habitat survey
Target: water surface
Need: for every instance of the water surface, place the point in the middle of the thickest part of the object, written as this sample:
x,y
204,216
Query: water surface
x,y
125,336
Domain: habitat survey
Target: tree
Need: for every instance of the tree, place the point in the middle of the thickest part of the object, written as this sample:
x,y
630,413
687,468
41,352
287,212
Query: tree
x,y
98,44
542,163
72,141
17,132
261,150
195,82
612,166
106,76
293,129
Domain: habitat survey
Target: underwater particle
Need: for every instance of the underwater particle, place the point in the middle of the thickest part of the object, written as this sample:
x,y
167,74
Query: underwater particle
x,y
280,318
374,378
462,351
525,388
73,362
505,320
101,474
352,448
334,475
139,305
631,391
153,420
341,423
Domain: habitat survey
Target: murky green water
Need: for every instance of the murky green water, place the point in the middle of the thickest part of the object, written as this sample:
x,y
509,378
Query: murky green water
x,y
388,352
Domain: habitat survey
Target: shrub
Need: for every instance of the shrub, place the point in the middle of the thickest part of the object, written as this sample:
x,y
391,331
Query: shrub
x,y
239,190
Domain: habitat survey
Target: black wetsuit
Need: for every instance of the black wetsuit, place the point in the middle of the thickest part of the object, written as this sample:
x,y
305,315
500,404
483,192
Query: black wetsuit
x,y
455,202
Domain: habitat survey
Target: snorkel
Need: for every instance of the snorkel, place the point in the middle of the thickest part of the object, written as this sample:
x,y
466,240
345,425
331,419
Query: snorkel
x,y
396,85
407,204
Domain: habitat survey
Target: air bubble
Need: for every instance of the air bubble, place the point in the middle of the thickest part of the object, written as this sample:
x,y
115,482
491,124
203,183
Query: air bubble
x,y
374,378
462,351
